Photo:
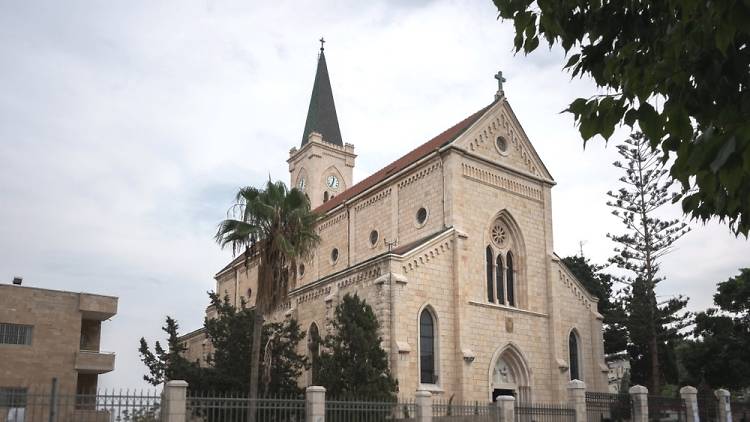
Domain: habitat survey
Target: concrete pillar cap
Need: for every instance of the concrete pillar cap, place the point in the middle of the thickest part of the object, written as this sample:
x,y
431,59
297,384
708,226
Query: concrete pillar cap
x,y
316,389
505,398
721,393
177,383
688,389
423,393
577,384
638,389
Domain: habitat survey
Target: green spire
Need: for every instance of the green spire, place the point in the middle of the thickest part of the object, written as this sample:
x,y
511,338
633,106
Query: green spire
x,y
321,115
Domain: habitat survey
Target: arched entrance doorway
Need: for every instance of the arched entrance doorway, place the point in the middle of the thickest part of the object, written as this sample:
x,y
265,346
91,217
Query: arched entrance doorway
x,y
509,375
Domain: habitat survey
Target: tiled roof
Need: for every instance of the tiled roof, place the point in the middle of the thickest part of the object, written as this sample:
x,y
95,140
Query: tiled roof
x,y
403,162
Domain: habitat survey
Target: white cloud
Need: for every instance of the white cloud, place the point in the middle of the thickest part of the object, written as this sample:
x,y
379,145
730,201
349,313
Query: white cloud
x,y
125,129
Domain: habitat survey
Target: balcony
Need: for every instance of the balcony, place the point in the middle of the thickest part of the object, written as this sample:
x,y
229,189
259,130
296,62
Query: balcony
x,y
97,307
92,362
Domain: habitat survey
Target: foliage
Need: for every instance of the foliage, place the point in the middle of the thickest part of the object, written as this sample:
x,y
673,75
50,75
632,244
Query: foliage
x,y
600,284
653,327
228,370
717,356
352,363
275,226
169,364
676,68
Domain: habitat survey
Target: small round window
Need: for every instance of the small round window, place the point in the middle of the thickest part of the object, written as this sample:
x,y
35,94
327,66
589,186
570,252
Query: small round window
x,y
301,270
501,144
421,216
374,236
334,255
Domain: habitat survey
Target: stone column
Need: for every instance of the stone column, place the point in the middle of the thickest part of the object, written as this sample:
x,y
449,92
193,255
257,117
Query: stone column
x,y
725,409
315,406
175,397
506,406
577,398
424,406
690,397
639,397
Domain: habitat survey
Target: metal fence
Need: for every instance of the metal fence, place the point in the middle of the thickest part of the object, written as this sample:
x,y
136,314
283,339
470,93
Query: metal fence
x,y
353,410
540,412
741,411
450,411
101,406
666,409
234,407
708,407
608,407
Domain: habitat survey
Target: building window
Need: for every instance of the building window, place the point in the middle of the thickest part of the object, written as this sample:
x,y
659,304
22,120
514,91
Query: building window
x,y
421,216
13,397
313,349
374,237
334,255
499,273
427,348
325,196
301,270
573,352
249,293
488,259
510,280
502,145
15,334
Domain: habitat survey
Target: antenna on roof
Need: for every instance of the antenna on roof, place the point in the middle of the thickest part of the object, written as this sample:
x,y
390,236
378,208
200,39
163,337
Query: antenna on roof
x,y
17,280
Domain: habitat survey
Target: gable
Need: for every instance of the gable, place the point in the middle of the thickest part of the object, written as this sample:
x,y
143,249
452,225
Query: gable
x,y
519,154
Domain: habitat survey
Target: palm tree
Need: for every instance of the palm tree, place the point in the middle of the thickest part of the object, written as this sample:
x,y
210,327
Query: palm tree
x,y
276,227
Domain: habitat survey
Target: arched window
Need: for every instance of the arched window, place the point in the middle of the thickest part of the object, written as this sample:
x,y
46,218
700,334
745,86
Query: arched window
x,y
510,280
313,349
325,196
499,273
427,348
573,352
488,257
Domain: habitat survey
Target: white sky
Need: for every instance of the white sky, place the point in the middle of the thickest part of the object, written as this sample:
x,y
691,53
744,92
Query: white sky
x,y
126,128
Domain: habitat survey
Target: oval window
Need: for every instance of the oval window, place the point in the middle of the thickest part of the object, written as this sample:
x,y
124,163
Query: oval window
x,y
374,237
421,216
501,144
334,255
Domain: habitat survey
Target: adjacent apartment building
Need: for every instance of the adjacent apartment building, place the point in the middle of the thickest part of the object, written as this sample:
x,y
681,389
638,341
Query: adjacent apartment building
x,y
46,334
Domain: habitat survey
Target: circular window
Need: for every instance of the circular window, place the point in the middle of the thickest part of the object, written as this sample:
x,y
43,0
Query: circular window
x,y
374,236
501,144
301,270
421,216
334,255
499,234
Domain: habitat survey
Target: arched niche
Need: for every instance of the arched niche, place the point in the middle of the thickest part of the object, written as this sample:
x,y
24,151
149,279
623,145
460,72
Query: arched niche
x,y
510,374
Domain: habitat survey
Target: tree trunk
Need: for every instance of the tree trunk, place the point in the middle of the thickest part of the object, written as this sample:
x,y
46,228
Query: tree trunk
x,y
255,364
653,346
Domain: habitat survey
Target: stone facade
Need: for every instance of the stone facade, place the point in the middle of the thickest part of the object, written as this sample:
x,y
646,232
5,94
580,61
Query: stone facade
x,y
64,343
417,236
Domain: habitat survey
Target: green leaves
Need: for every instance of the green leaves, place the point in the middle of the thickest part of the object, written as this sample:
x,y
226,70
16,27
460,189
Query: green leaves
x,y
689,58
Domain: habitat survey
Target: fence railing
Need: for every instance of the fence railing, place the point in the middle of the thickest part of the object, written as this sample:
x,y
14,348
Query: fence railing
x,y
608,407
708,408
541,412
666,409
234,407
741,411
101,406
450,411
359,410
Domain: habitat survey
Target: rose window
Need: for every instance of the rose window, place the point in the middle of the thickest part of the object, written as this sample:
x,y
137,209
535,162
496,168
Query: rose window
x,y
499,235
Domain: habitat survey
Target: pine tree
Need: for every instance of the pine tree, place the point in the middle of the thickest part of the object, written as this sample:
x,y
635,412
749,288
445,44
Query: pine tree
x,y
169,364
352,362
652,326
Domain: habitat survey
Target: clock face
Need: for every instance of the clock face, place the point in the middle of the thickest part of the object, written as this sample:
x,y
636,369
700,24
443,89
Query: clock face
x,y
301,184
332,182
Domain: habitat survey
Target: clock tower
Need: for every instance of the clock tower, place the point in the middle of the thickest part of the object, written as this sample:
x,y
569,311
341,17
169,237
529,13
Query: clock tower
x,y
322,165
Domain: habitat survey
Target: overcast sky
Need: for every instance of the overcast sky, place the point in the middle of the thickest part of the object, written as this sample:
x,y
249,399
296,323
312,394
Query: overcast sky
x,y
126,128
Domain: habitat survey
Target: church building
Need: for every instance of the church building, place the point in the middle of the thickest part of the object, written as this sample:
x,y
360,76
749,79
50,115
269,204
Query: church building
x,y
451,245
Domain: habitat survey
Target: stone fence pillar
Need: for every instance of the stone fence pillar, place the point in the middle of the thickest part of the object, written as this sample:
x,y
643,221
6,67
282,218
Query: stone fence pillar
x,y
506,408
315,406
639,397
175,401
725,409
577,398
690,397
424,406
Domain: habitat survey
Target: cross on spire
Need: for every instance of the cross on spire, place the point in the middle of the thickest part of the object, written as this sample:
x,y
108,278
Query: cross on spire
x,y
322,42
500,79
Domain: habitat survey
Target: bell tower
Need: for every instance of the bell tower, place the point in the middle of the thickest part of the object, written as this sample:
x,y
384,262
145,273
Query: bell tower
x,y
322,166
